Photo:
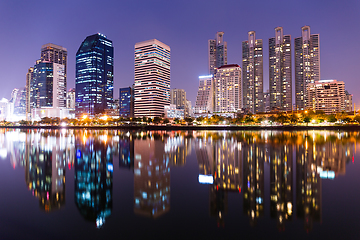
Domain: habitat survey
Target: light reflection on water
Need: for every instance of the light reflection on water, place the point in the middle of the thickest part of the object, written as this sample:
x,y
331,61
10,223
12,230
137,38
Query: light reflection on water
x,y
229,162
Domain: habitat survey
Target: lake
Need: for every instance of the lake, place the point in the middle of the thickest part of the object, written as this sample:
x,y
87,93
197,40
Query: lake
x,y
116,184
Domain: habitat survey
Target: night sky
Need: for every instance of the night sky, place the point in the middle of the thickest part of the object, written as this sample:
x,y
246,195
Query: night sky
x,y
184,25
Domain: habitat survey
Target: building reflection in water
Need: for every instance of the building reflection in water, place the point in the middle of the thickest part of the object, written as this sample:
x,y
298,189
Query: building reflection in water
x,y
231,162
151,176
93,176
44,162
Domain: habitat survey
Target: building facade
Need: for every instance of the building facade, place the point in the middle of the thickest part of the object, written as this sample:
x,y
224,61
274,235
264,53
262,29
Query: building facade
x,y
28,89
307,65
205,96
348,102
94,75
228,89
217,52
327,96
152,78
55,54
178,98
280,76
126,102
252,71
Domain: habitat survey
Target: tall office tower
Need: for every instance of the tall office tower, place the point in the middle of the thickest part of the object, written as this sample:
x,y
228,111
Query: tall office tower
x,y
28,89
228,89
327,96
178,98
252,69
94,75
307,64
205,95
280,80
348,102
48,87
126,102
217,52
152,78
55,54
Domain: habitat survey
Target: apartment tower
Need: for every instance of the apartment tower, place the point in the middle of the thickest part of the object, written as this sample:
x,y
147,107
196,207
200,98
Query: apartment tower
x,y
307,65
217,52
280,80
252,70
152,78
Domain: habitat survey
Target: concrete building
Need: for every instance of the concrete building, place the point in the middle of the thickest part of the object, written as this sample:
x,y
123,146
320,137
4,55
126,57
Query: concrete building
x,y
252,71
280,76
70,98
28,89
178,98
172,111
348,102
205,96
326,95
217,52
152,78
307,65
228,89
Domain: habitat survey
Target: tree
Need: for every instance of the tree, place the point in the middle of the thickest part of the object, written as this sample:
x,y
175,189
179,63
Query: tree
x,y
293,118
282,118
331,118
189,120
156,120
357,118
166,121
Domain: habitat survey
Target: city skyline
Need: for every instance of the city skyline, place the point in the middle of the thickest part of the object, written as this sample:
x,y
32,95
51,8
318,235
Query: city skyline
x,y
189,53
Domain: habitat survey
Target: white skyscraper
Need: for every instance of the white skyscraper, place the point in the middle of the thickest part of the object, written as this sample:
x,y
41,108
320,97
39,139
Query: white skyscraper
x,y
205,95
152,78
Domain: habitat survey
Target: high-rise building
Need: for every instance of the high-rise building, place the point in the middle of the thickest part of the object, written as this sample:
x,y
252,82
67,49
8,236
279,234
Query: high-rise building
x,y
28,88
94,75
348,101
126,102
228,89
48,87
178,98
205,95
307,64
326,95
70,98
217,52
55,54
280,80
252,70
152,78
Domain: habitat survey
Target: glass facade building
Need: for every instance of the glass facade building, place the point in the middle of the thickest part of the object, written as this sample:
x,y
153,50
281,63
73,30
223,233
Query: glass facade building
x,y
94,75
126,102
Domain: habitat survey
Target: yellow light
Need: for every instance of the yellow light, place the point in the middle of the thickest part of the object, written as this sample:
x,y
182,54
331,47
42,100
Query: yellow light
x,y
84,117
104,117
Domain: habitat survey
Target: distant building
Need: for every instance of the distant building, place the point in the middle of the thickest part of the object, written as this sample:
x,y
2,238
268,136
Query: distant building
x,y
152,78
126,102
228,89
189,109
94,75
172,112
178,98
266,101
70,99
217,52
252,71
326,95
205,95
28,87
348,102
307,65
280,78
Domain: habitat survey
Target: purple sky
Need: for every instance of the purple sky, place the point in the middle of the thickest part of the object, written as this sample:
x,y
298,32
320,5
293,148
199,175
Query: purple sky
x,y
185,26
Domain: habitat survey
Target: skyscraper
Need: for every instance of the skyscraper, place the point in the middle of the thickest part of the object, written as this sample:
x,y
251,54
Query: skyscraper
x,y
217,52
307,64
55,54
280,80
228,89
178,98
28,89
94,75
252,68
152,78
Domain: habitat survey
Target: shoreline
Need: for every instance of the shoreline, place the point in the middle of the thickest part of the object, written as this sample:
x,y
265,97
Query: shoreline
x,y
211,128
